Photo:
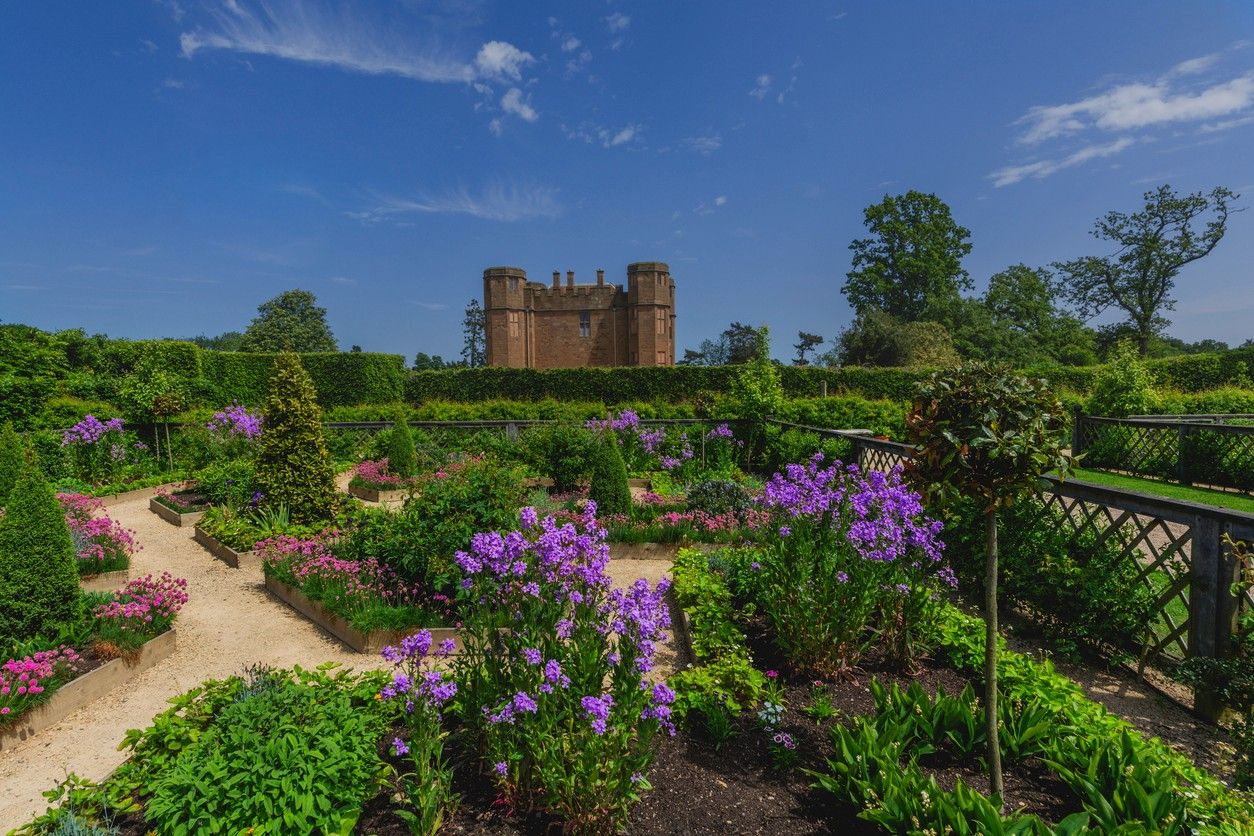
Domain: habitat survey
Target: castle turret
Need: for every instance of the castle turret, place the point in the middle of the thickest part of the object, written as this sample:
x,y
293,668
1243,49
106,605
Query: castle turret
x,y
505,316
651,314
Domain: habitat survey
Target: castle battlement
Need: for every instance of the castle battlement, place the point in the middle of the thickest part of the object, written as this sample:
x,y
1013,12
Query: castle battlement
x,y
530,324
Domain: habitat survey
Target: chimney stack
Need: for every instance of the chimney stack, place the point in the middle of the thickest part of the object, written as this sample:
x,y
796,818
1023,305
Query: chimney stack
x,y
570,279
600,278
557,280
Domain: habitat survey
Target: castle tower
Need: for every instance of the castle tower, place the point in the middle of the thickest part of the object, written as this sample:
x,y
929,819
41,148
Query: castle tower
x,y
506,323
650,314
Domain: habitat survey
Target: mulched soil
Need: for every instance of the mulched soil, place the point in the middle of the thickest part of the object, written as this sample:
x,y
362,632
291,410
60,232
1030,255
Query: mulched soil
x,y
700,786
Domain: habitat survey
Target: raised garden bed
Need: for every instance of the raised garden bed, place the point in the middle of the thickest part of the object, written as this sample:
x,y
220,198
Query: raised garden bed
x,y
105,581
141,493
372,642
382,497
85,689
225,553
172,516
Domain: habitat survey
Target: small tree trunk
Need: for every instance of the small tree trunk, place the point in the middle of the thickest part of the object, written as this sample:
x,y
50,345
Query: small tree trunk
x,y
990,653
169,451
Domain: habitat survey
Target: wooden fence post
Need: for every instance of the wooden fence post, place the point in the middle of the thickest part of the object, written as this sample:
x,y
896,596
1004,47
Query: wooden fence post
x,y
1077,436
1182,465
1208,635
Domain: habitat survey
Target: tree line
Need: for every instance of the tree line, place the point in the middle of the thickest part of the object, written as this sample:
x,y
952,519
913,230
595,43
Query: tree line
x,y
910,291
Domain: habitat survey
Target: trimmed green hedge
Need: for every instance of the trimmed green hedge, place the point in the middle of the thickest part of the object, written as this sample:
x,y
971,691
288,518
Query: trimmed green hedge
x,y
656,383
342,379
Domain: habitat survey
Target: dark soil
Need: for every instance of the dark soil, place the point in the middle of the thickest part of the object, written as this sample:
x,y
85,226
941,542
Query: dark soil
x,y
194,500
701,786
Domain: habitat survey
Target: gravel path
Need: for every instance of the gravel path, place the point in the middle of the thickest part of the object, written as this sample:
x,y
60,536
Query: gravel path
x,y
228,623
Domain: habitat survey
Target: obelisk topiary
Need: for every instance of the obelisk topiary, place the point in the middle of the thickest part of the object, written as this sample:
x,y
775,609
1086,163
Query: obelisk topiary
x,y
608,484
38,566
11,457
402,458
293,466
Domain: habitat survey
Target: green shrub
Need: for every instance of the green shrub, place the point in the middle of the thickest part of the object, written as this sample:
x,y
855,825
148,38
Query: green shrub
x,y
785,446
12,456
720,496
282,757
402,458
420,540
1123,387
227,482
65,411
340,379
39,592
607,483
293,465
563,452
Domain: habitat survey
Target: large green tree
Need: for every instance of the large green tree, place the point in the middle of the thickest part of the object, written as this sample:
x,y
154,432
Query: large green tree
x,y
911,263
875,338
1152,246
291,321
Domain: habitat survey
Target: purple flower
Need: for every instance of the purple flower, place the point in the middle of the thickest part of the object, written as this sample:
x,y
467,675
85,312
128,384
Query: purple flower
x,y
524,704
501,768
784,531
597,709
532,656
399,747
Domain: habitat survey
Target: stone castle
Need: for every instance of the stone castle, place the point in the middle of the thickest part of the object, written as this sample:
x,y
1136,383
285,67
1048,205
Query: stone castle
x,y
528,325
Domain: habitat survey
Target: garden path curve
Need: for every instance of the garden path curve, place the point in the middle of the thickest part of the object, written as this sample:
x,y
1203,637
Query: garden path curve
x,y
228,623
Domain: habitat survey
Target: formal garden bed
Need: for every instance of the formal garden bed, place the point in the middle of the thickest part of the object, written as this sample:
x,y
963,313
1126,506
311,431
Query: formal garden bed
x,y
181,508
235,558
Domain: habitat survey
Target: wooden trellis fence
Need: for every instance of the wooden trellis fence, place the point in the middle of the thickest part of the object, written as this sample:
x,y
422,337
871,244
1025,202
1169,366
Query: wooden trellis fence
x,y
1204,450
1177,546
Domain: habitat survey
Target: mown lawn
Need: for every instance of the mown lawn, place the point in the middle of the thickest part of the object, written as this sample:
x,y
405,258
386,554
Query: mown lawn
x,y
1234,501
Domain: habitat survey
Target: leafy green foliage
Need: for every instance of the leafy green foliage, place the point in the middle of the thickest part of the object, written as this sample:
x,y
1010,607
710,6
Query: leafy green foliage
x,y
720,496
607,482
39,592
876,338
293,465
912,261
12,457
1152,246
1123,387
229,482
561,451
402,458
724,678
291,321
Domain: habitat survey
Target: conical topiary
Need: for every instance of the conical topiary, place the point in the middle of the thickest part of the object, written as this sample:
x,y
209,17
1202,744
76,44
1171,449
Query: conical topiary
x,y
608,485
293,465
402,457
39,591
11,458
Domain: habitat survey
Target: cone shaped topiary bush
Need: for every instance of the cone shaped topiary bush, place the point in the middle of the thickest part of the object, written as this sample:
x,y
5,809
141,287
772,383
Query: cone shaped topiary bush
x,y
608,485
293,465
39,590
11,458
402,458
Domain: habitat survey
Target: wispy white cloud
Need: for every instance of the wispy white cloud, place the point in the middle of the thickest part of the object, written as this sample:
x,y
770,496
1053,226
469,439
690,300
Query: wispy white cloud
x,y
1043,168
618,22
570,44
1138,105
705,144
344,280
706,208
514,102
496,203
761,86
603,136
304,190
430,306
343,36
1226,124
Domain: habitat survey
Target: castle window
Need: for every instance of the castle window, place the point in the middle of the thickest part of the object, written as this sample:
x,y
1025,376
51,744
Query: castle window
x,y
659,317
513,323
513,284
585,324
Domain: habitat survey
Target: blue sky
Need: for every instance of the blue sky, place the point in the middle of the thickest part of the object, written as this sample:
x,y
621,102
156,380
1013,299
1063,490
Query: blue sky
x,y
167,166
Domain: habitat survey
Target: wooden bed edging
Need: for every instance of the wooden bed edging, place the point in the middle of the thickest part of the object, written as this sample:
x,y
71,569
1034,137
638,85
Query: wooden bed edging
x,y
224,552
174,517
85,689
